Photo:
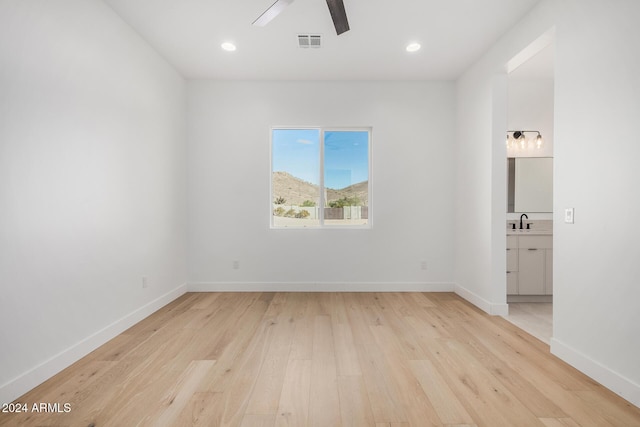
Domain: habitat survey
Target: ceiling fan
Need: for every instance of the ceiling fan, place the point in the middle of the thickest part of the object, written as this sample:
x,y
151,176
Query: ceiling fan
x,y
336,7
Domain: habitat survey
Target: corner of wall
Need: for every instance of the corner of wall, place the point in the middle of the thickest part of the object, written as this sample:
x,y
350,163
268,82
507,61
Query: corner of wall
x,y
492,308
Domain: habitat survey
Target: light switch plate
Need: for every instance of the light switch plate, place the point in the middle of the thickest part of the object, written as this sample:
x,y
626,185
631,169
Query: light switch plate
x,y
568,215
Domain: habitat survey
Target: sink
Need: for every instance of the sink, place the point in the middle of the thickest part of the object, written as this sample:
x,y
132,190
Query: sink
x,y
539,227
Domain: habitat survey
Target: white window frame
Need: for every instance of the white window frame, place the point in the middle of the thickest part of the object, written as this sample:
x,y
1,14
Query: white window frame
x,y
322,203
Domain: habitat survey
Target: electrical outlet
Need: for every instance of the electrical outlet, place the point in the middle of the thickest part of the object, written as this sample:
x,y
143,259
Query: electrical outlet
x,y
236,264
568,215
423,265
145,283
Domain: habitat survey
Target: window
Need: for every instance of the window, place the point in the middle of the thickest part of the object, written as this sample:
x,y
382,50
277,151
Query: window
x,y
320,177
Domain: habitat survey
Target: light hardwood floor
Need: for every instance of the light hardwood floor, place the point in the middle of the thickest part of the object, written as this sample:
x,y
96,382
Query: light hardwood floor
x,y
324,359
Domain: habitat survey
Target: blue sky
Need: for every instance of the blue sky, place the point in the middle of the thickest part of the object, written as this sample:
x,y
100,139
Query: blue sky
x,y
297,151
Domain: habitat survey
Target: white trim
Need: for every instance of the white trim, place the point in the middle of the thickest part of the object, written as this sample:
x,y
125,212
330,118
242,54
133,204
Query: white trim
x,y
495,309
547,38
37,375
320,287
624,387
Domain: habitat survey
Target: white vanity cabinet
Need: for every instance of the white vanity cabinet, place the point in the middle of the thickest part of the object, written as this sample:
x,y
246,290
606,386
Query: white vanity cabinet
x,y
529,265
512,265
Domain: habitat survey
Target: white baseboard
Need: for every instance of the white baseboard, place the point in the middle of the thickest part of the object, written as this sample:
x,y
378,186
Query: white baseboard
x,y
615,382
495,309
530,298
320,287
36,376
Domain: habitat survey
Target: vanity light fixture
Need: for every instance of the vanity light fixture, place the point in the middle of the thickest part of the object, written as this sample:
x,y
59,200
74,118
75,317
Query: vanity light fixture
x,y
518,139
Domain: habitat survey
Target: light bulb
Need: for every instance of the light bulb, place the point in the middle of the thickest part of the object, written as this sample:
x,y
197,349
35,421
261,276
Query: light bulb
x,y
539,141
413,47
523,142
229,47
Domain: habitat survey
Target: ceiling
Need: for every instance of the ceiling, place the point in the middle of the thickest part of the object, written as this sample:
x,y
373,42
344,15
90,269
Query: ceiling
x,y
453,35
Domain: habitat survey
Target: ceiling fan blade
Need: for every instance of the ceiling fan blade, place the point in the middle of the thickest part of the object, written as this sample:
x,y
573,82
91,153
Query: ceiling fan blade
x,y
339,16
273,11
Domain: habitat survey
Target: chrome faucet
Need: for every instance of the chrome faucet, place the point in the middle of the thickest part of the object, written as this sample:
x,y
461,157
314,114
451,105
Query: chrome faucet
x,y
523,215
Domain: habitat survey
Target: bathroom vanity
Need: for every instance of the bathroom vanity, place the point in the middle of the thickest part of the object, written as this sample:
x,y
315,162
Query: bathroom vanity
x,y
529,241
529,263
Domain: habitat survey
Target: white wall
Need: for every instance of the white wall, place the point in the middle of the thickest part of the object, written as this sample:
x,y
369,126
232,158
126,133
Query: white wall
x,y
229,158
596,269
92,184
597,87
530,107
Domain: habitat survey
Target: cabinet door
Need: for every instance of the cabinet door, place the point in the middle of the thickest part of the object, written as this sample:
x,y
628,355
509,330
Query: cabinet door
x,y
512,259
531,272
512,265
548,271
512,283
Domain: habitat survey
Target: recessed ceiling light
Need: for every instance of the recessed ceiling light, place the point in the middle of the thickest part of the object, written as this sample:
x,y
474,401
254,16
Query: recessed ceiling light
x,y
413,47
229,47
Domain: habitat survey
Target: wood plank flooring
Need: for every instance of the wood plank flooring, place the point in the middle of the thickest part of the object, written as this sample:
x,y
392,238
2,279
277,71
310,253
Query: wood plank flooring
x,y
324,359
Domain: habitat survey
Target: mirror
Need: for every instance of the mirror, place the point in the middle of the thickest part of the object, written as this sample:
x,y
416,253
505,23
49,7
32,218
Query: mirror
x,y
530,184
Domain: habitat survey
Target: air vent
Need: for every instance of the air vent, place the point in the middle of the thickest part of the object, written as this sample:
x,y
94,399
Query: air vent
x,y
307,41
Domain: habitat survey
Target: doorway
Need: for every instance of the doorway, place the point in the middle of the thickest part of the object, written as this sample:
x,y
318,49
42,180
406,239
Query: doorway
x,y
530,104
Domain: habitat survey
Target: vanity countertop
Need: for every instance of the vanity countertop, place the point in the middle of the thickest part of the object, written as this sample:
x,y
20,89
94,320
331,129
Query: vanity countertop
x,y
538,228
517,232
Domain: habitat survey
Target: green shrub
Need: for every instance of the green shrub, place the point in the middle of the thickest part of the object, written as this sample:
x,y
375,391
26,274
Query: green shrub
x,y
308,204
279,211
280,201
291,213
345,201
303,214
